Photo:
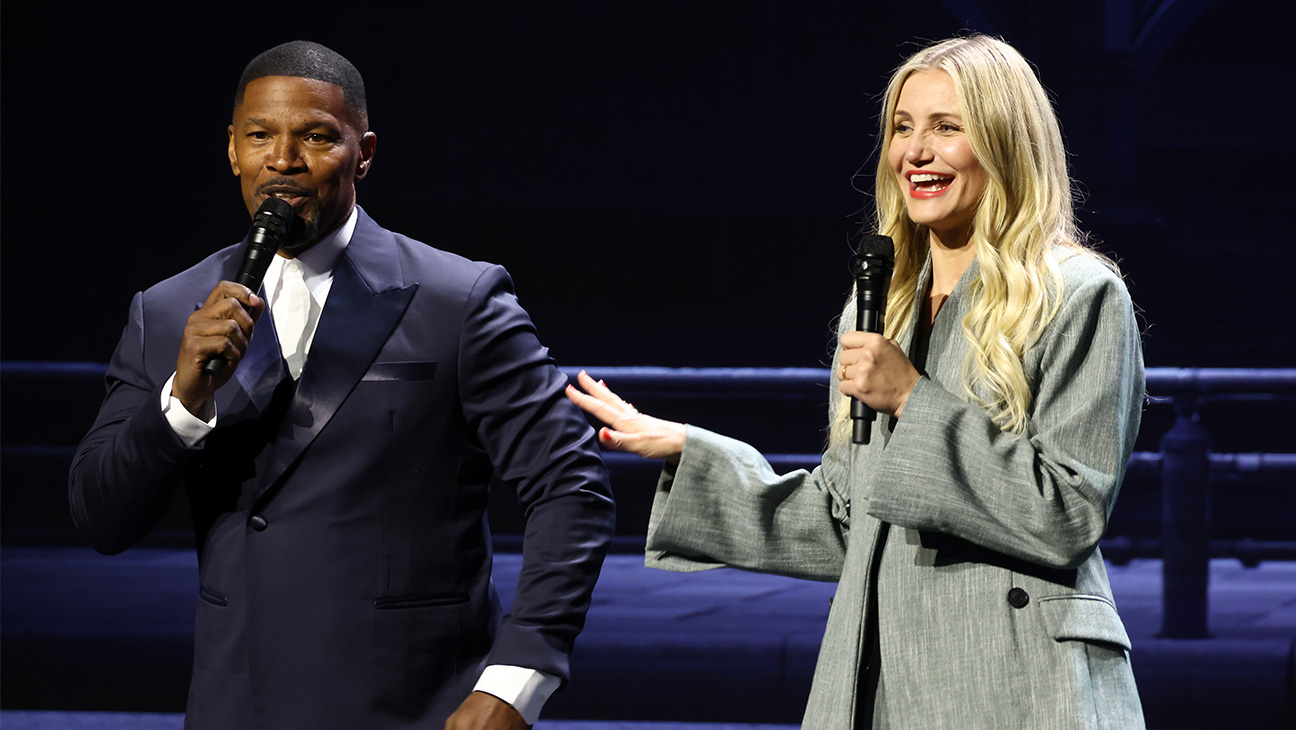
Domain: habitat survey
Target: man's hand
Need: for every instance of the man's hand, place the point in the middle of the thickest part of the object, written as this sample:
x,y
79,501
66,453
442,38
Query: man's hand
x,y
222,327
481,711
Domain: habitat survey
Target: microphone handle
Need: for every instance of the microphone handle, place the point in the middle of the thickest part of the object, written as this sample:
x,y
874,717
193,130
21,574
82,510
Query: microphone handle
x,y
215,366
256,260
868,318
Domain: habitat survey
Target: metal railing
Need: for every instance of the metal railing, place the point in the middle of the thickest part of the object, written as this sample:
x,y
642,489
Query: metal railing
x,y
1184,461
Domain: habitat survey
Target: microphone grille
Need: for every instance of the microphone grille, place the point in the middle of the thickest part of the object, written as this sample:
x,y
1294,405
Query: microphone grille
x,y
877,245
276,207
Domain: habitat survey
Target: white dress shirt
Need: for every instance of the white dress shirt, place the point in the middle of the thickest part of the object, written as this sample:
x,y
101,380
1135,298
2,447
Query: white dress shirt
x,y
524,688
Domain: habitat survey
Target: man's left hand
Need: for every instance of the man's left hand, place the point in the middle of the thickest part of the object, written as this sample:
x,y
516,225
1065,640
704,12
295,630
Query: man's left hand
x,y
481,711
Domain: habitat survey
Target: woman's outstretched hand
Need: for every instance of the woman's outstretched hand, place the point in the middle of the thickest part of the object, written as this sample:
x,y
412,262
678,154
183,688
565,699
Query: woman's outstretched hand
x,y
627,429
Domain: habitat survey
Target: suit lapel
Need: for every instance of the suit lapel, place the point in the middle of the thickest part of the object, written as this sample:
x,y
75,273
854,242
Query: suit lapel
x,y
886,424
249,391
262,368
364,306
915,310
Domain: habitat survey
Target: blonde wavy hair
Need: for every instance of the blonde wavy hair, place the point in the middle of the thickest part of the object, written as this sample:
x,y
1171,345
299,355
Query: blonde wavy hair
x,y
1024,225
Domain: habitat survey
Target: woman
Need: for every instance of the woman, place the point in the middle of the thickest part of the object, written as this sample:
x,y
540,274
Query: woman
x,y
965,538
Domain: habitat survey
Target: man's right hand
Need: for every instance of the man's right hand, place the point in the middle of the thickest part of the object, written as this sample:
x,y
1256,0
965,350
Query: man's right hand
x,y
223,326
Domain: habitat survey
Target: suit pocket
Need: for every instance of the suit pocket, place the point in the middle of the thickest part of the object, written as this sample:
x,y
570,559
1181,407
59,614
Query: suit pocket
x,y
382,372
427,622
215,598
1084,618
218,634
428,600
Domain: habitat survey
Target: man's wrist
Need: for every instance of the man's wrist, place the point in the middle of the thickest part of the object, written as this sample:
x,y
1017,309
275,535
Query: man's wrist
x,y
524,688
190,428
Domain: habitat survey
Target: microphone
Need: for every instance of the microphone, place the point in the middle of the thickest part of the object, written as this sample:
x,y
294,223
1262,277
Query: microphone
x,y
872,267
269,229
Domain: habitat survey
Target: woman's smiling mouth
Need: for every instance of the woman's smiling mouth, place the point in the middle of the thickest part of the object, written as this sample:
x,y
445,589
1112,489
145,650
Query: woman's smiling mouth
x,y
928,184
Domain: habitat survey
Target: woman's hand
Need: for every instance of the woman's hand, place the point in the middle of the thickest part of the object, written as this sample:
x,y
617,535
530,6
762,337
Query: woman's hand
x,y
876,371
630,430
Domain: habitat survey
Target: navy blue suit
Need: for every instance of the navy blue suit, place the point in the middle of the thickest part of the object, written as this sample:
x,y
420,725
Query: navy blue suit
x,y
343,549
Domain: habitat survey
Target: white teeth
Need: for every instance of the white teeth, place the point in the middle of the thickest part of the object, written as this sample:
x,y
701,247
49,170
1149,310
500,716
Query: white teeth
x,y
927,177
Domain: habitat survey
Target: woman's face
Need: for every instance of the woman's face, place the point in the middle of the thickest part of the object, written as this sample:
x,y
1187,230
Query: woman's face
x,y
932,159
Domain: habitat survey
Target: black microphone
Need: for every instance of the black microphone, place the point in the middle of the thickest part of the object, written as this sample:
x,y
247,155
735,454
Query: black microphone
x,y
872,267
269,230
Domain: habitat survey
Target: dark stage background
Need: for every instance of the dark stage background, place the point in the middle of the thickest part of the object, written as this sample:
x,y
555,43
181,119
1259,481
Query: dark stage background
x,y
670,183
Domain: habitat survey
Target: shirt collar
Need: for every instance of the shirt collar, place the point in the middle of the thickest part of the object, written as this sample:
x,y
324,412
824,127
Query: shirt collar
x,y
317,262
323,256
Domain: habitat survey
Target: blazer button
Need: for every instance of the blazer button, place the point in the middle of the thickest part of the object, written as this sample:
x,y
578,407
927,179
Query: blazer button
x,y
258,523
1017,598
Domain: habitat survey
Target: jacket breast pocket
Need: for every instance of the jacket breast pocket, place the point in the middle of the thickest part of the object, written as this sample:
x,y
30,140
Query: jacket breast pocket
x,y
385,372
1083,617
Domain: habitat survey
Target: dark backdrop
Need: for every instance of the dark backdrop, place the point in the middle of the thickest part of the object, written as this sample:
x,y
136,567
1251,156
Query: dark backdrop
x,y
670,183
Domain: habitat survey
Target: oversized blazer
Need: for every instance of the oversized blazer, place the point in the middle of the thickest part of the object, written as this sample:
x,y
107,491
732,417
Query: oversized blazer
x,y
343,549
993,605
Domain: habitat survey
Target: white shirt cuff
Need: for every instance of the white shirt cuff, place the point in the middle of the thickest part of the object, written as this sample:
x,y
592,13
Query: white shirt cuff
x,y
191,429
525,688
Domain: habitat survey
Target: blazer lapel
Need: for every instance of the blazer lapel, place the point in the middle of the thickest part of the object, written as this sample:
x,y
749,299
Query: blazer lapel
x,y
915,310
261,370
886,424
364,305
262,367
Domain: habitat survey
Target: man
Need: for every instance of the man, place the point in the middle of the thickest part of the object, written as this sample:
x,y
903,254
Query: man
x,y
337,467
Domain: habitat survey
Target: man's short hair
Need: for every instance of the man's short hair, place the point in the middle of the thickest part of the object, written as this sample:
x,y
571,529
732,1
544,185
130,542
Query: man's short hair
x,y
308,60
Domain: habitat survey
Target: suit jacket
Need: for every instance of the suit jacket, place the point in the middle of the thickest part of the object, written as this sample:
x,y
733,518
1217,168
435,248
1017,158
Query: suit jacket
x,y
992,601
343,548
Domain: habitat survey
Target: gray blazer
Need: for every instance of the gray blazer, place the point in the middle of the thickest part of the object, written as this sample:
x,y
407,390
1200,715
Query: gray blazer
x,y
993,605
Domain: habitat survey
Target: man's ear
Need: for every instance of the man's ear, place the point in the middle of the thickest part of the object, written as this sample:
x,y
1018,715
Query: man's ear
x,y
368,144
233,158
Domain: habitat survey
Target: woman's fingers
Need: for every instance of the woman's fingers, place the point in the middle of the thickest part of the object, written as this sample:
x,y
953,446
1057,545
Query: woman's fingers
x,y
585,402
599,401
599,389
876,371
627,429
611,439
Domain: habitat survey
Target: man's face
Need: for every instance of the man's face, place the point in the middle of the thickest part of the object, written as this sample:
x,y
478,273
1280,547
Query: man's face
x,y
297,139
